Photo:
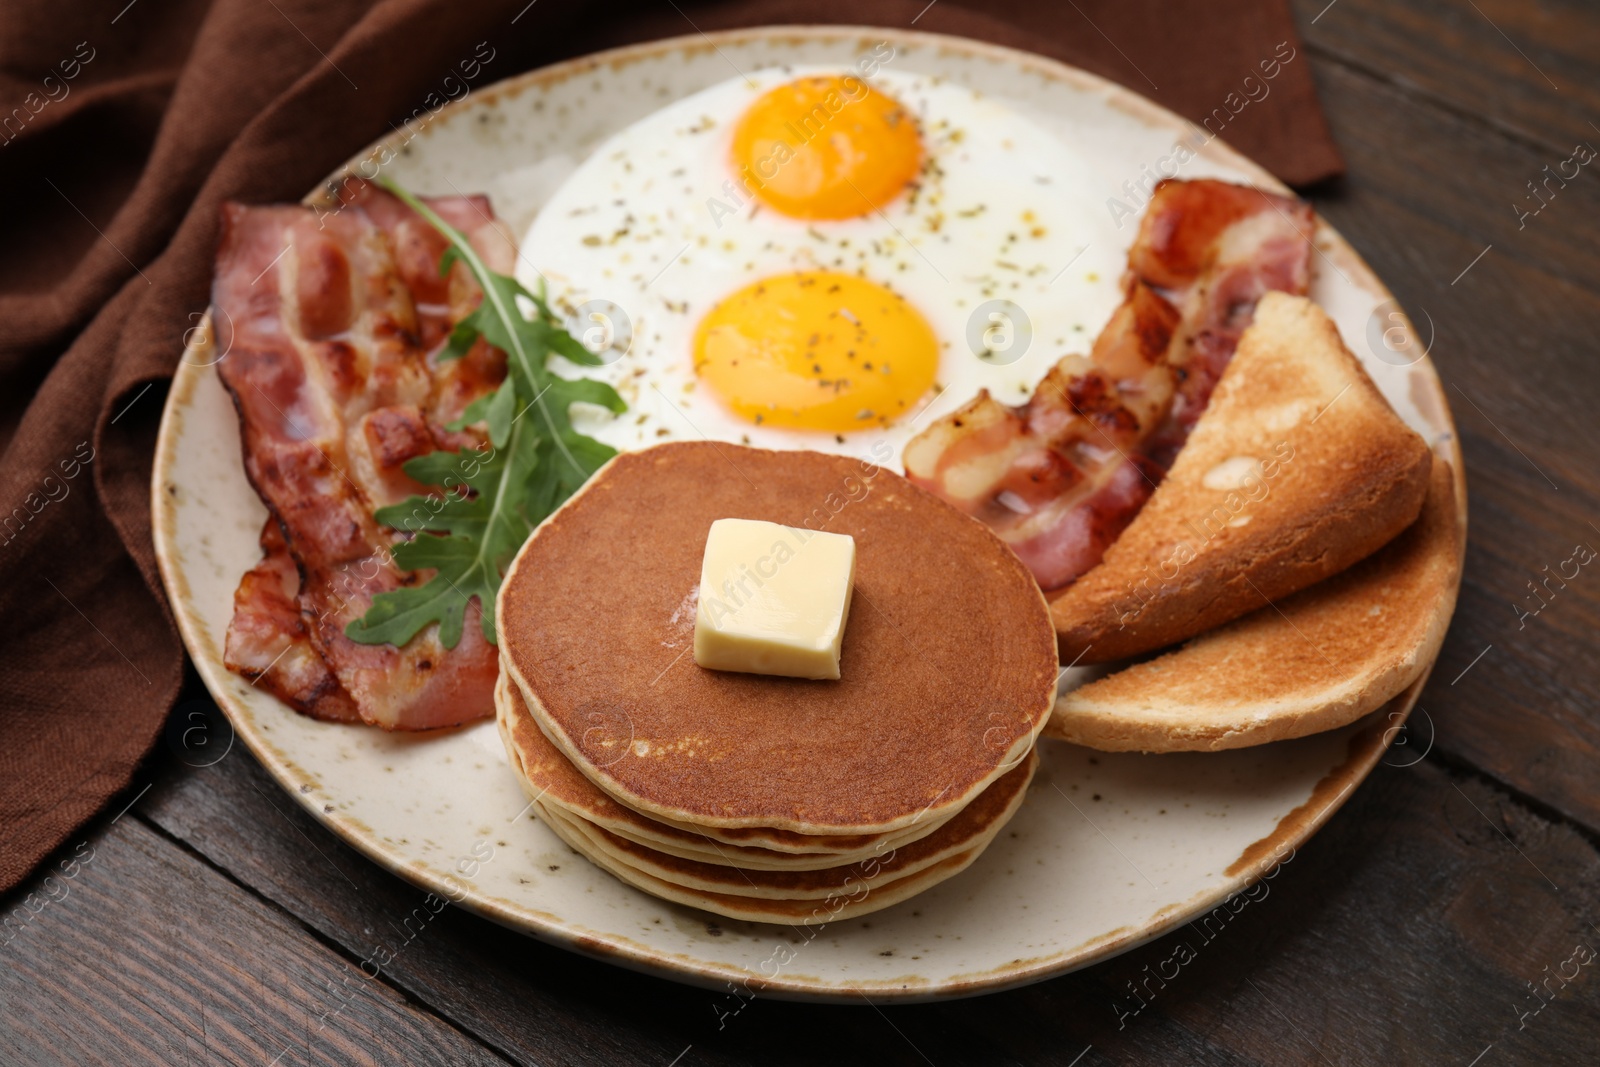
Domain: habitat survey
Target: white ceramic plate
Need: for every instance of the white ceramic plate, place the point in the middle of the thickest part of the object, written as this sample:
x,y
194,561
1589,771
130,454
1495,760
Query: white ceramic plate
x,y
1108,851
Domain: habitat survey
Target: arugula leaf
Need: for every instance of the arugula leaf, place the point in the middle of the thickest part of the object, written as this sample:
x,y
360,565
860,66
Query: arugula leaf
x,y
492,496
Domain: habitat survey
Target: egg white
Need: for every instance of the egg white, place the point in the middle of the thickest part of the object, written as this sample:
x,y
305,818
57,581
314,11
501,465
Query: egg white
x,y
652,231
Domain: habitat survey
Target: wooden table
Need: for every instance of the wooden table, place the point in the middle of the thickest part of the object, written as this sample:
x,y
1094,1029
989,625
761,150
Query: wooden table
x,y
1431,922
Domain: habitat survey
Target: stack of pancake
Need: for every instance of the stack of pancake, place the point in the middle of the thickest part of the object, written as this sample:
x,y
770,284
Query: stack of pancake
x,y
762,798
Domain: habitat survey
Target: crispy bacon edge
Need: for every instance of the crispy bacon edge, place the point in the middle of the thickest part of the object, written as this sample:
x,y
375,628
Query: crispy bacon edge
x,y
1062,475
267,641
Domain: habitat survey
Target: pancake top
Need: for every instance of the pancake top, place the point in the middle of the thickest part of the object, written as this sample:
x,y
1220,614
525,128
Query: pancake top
x,y
948,668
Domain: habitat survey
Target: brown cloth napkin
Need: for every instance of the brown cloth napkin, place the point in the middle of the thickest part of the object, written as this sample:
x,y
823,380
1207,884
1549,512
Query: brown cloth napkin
x,y
122,130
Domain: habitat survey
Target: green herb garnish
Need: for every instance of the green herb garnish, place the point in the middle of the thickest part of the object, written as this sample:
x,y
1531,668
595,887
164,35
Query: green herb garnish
x,y
491,497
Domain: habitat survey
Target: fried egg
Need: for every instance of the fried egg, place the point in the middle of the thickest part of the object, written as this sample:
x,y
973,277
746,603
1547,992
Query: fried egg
x,y
808,259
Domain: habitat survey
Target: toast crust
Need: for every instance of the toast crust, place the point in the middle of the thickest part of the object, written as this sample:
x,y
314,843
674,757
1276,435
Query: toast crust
x,y
1297,470
1318,660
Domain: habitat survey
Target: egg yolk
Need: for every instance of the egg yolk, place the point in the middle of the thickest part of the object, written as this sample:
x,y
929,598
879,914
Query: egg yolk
x,y
816,350
826,148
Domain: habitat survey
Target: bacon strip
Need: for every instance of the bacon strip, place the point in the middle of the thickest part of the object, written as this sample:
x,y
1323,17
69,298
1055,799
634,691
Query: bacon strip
x,y
329,325
443,301
1217,248
268,643
1061,476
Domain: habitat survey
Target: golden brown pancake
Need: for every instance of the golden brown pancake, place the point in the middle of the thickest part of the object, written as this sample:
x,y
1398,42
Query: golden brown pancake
x,y
972,829
550,776
859,901
948,667
802,850
567,796
798,844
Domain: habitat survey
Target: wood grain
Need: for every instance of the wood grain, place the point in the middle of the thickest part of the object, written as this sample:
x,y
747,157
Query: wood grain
x,y
1531,71
125,948
1513,341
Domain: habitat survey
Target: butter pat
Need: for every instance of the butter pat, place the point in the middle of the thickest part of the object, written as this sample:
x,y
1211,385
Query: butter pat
x,y
773,599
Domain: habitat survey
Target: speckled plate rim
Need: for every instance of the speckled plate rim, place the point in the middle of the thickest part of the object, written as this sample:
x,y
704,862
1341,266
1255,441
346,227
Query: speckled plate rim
x,y
1365,747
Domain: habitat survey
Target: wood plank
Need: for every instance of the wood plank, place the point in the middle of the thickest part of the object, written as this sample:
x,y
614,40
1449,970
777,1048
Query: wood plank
x,y
1411,904
1514,343
127,949
1532,70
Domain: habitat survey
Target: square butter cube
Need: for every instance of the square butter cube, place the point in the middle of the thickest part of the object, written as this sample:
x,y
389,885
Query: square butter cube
x,y
773,599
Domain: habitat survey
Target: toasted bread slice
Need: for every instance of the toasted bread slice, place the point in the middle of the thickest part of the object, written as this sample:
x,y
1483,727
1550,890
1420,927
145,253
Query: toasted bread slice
x,y
1297,469
1315,661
